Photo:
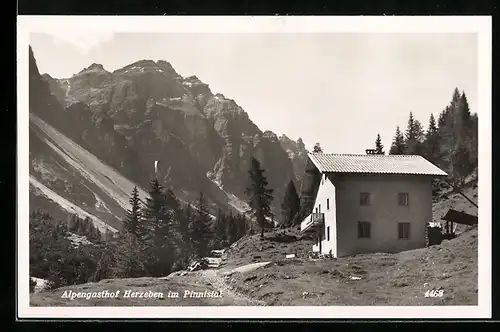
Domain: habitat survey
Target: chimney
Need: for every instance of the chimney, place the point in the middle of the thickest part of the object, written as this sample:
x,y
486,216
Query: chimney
x,y
371,151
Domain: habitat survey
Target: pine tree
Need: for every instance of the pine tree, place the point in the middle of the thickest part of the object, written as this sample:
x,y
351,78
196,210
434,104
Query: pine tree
x,y
133,222
82,226
317,148
105,264
159,239
200,228
414,136
232,228
73,223
260,197
95,234
398,144
221,224
463,125
241,223
432,141
456,124
379,148
130,257
184,229
460,162
290,205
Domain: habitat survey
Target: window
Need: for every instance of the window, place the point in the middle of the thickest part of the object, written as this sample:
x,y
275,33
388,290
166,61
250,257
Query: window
x,y
363,229
316,210
328,204
364,199
319,208
328,233
403,199
404,230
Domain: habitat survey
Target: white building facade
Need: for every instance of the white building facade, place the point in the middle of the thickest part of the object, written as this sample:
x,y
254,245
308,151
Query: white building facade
x,y
368,203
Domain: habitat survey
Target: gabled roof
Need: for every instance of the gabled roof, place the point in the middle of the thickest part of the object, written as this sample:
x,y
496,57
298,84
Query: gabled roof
x,y
375,164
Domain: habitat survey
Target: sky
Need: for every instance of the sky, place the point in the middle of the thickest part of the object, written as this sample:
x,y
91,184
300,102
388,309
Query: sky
x,y
338,89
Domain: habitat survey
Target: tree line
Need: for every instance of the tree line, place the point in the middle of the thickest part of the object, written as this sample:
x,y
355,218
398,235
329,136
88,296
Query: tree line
x,y
162,235
54,257
450,142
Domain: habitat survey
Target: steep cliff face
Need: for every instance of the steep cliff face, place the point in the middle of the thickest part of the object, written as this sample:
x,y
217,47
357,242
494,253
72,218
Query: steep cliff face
x,y
297,153
146,111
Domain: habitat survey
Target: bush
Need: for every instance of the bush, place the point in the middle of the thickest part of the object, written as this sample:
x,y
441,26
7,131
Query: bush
x,y
32,285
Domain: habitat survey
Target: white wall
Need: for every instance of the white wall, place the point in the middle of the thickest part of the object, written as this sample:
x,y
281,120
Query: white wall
x,y
326,191
384,213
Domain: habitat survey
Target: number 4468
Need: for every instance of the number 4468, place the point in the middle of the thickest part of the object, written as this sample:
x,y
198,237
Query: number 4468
x,y
434,293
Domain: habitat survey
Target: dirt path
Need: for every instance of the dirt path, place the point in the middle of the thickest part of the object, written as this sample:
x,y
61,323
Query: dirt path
x,y
217,279
248,267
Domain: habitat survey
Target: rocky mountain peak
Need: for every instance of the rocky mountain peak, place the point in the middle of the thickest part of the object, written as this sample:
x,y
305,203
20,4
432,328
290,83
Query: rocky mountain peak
x,y
95,67
270,135
166,67
143,63
300,144
284,138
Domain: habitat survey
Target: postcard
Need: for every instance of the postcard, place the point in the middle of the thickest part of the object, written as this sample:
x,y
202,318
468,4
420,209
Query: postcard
x,y
254,167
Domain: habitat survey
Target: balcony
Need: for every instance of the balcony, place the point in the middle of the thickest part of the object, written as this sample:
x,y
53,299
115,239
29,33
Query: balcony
x,y
312,221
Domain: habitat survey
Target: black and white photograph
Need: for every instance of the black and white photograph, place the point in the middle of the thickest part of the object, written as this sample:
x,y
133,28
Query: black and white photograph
x,y
278,167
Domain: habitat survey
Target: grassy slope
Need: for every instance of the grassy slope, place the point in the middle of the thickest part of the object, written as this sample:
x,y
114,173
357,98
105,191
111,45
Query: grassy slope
x,y
453,200
386,279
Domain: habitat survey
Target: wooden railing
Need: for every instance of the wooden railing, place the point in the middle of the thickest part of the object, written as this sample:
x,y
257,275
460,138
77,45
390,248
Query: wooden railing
x,y
312,220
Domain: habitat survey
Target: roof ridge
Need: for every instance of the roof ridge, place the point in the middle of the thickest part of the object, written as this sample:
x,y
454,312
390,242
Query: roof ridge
x,y
364,155
368,163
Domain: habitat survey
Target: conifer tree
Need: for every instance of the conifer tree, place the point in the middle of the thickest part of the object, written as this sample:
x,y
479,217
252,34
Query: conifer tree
x,y
105,264
184,229
414,136
260,197
317,148
108,235
460,163
200,228
133,220
232,228
463,120
432,141
241,223
221,229
159,239
130,257
73,223
379,148
290,205
398,144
